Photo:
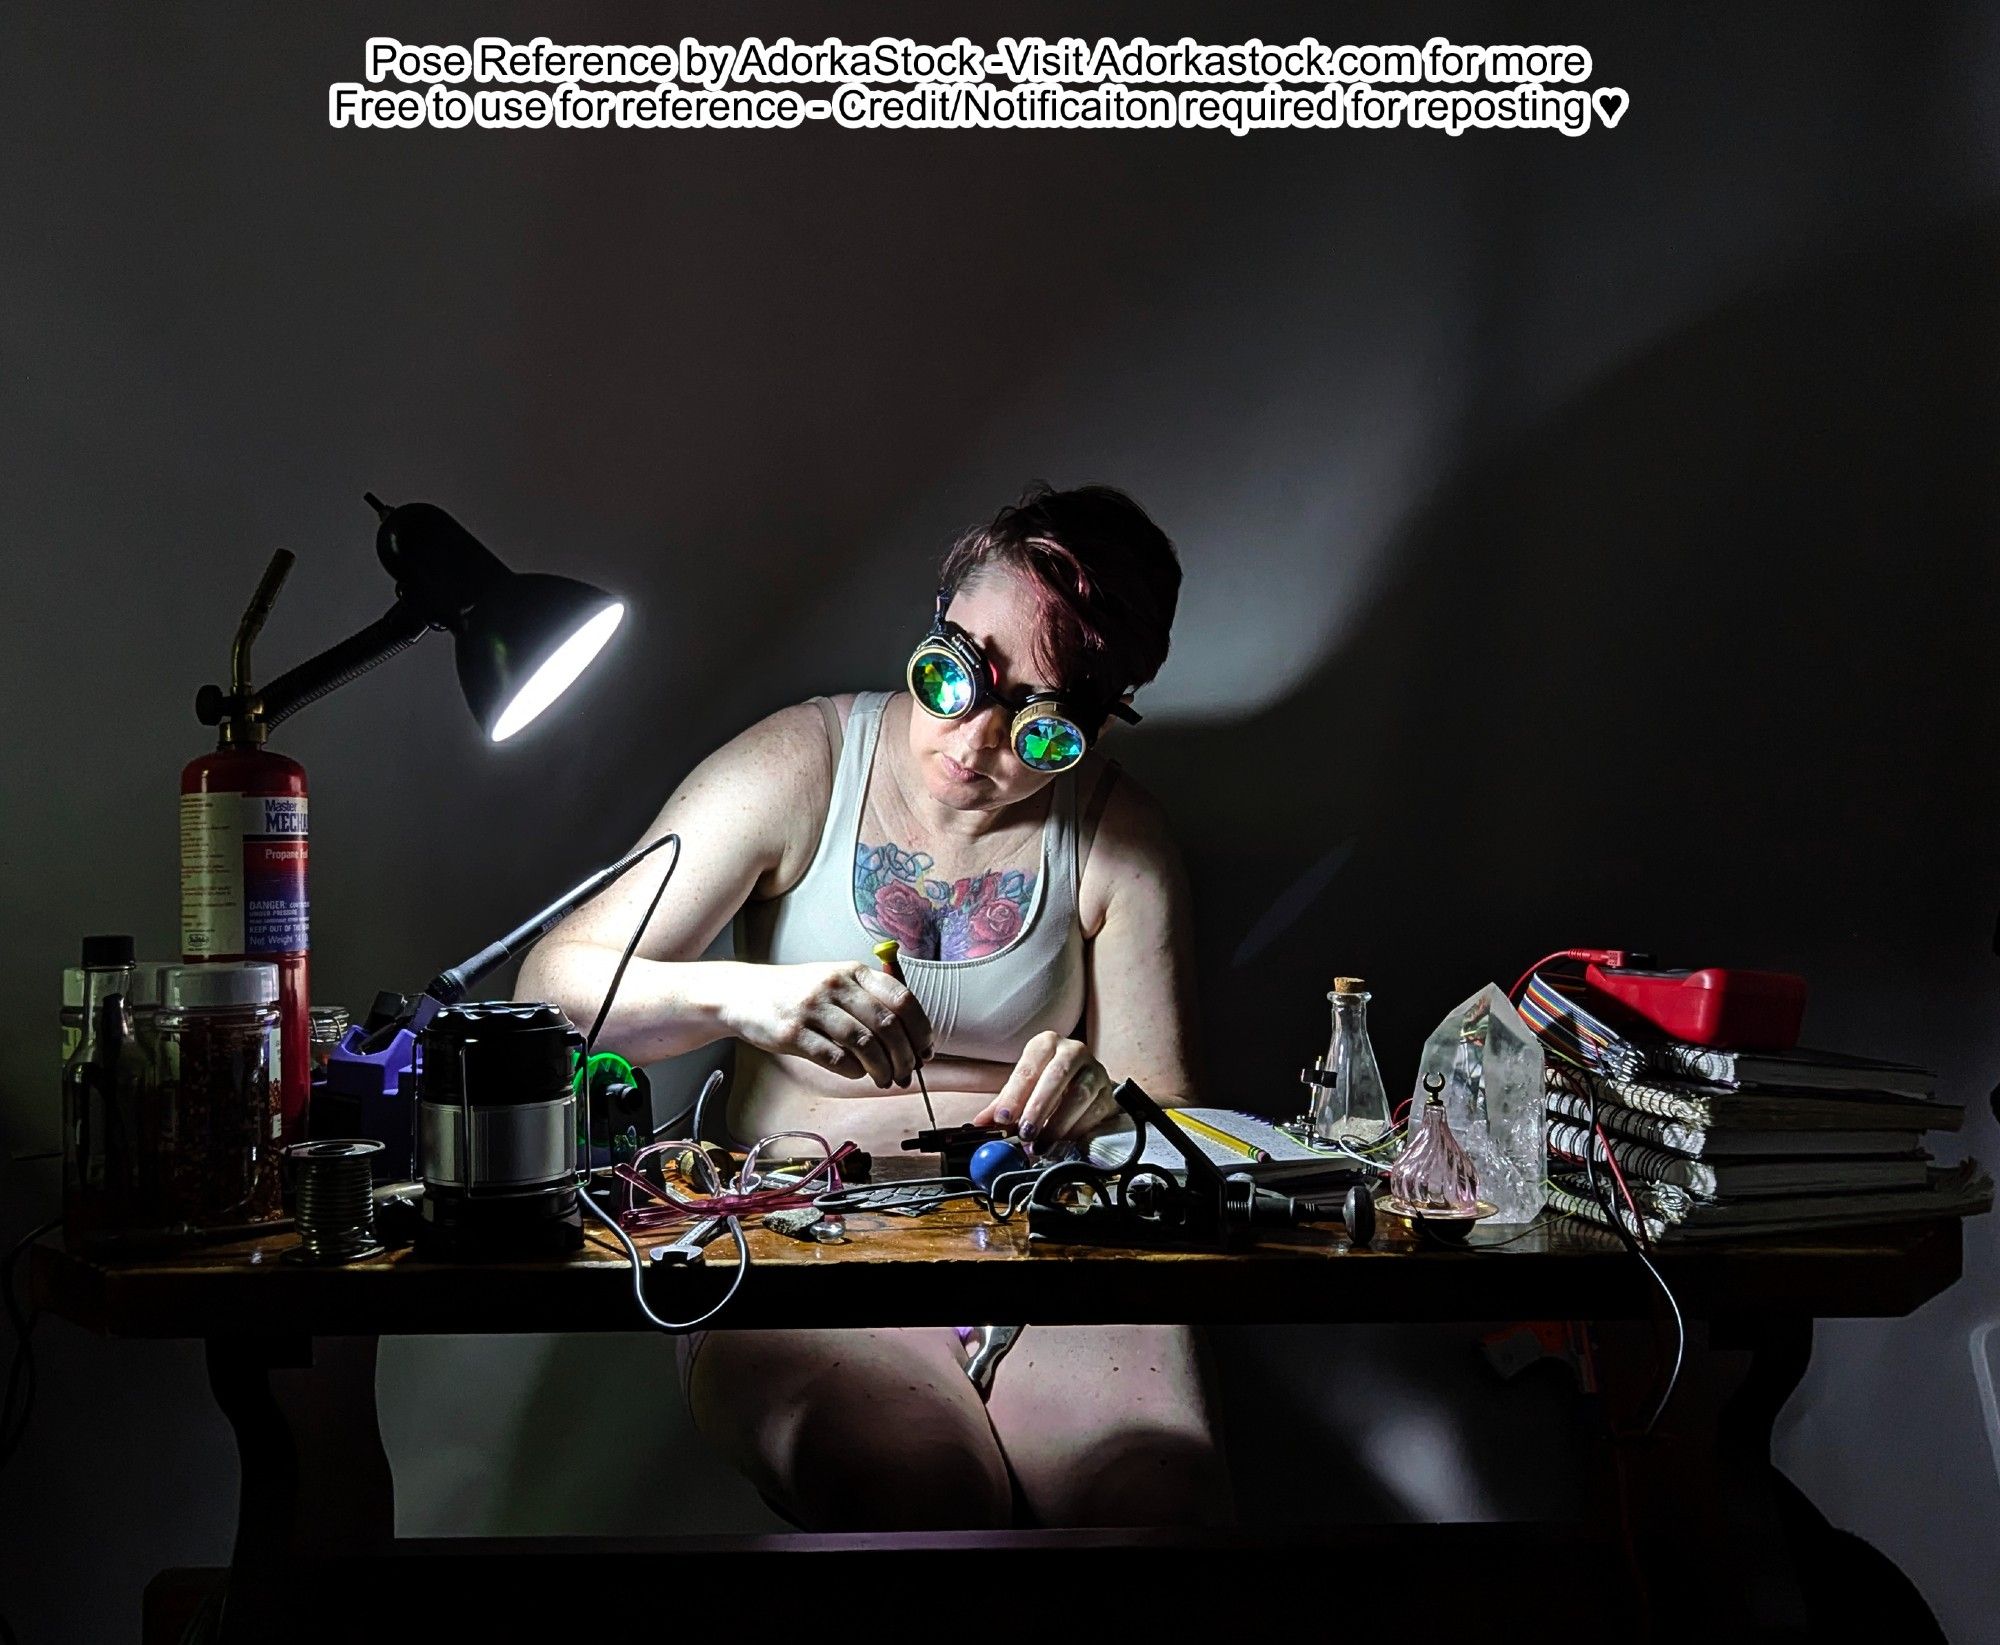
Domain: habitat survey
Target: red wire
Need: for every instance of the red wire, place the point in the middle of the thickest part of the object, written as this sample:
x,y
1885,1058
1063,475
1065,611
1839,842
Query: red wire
x,y
1618,1176
1583,956
1521,981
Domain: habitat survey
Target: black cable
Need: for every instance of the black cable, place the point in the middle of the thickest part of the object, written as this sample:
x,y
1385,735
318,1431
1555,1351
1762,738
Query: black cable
x,y
19,1402
631,948
1591,1145
734,1224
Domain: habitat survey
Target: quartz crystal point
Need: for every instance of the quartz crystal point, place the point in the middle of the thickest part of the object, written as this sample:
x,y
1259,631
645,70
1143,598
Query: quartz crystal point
x,y
1491,1064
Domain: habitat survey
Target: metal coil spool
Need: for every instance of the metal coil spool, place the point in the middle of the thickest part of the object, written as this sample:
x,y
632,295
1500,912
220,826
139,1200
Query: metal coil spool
x,y
334,1198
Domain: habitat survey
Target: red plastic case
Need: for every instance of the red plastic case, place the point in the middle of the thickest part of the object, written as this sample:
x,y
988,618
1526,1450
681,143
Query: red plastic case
x,y
1729,1010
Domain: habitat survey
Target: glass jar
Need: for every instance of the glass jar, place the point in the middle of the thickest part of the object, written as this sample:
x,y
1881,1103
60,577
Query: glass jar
x,y
221,1123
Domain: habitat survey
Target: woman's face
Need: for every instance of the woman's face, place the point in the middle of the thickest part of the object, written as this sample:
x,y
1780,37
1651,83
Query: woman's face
x,y
969,764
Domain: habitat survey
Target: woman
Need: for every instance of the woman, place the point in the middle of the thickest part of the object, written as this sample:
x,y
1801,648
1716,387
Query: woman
x,y
1042,918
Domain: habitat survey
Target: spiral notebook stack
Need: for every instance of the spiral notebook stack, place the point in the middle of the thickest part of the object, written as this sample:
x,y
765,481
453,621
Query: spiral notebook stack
x,y
1720,1144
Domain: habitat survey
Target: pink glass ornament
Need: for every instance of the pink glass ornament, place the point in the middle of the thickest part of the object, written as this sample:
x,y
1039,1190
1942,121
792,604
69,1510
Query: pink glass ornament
x,y
1432,1173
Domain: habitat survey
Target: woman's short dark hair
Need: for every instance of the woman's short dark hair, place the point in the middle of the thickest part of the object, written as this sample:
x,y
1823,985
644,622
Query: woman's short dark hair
x,y
1106,579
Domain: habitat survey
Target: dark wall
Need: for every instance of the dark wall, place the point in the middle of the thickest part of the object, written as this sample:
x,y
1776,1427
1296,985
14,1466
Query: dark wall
x,y
1587,541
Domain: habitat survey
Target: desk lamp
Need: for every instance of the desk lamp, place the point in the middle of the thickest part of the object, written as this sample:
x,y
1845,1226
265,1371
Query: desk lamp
x,y
522,638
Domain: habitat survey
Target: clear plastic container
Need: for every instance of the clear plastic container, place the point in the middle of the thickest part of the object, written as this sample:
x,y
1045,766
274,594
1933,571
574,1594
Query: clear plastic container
x,y
1353,1108
219,1066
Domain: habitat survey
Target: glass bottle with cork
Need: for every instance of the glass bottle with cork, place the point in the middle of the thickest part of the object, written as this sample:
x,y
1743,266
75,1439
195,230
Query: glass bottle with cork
x,y
1350,1104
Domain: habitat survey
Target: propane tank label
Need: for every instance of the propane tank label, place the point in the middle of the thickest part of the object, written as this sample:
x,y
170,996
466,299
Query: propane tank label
x,y
243,874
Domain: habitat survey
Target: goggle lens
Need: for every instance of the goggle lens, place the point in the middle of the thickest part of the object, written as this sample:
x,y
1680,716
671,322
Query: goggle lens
x,y
1047,743
941,685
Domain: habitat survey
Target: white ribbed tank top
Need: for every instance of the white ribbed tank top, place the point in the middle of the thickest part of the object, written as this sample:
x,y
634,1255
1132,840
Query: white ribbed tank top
x,y
987,1007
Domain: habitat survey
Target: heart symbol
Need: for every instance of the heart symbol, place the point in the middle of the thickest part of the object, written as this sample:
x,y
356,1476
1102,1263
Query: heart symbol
x,y
1611,104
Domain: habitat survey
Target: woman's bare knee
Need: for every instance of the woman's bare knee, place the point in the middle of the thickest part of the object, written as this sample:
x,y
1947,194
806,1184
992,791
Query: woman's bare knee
x,y
855,1430
895,1464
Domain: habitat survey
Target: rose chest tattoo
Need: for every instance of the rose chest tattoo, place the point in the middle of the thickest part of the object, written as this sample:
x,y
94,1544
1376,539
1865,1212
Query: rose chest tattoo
x,y
933,918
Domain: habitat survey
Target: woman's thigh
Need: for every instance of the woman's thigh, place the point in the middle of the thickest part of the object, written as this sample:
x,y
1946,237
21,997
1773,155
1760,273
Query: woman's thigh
x,y
853,1430
1111,1425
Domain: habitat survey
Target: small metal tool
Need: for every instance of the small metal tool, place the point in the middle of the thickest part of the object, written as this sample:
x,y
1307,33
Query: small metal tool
x,y
886,952
987,1356
688,1247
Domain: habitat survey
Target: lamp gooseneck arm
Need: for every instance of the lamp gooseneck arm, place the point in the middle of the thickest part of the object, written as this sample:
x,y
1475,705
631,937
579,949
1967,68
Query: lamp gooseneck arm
x,y
399,628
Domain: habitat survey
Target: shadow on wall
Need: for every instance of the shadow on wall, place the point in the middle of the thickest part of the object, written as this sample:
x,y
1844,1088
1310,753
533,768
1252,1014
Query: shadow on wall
x,y
1698,667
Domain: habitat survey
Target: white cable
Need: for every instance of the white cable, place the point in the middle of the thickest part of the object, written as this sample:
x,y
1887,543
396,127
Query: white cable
x,y
671,1327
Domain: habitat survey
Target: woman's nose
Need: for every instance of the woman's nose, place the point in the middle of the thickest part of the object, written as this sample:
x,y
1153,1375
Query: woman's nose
x,y
988,727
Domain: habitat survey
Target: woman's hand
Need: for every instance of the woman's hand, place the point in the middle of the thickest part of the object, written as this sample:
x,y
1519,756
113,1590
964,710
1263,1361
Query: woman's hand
x,y
849,1018
1057,1090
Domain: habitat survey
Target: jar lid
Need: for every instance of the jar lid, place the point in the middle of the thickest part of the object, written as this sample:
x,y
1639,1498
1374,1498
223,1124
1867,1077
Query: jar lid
x,y
243,982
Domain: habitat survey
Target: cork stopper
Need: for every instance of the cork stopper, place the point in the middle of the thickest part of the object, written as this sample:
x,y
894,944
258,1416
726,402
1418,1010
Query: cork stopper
x,y
1349,985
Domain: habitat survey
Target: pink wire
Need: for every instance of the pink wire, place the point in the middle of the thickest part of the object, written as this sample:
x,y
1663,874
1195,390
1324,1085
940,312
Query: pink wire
x,y
663,1210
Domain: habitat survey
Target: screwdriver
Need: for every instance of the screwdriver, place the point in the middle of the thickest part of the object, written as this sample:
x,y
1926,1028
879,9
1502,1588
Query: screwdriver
x,y
886,952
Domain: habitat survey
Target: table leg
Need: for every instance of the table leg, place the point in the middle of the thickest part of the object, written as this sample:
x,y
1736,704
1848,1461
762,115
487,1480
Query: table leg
x,y
315,1477
1697,1500
1750,1521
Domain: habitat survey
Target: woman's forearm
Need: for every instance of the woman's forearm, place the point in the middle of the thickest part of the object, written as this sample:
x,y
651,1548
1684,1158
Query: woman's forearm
x,y
664,1007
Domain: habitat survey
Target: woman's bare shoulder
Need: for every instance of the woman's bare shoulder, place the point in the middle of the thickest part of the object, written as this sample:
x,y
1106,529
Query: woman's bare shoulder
x,y
785,750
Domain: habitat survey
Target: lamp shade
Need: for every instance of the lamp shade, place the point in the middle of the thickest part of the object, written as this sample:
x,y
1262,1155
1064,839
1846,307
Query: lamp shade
x,y
525,641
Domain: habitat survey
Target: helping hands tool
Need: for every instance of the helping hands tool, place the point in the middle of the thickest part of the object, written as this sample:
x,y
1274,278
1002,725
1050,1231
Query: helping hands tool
x,y
1079,1203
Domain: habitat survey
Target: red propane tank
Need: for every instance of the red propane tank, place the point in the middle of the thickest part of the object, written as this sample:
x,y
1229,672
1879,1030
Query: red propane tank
x,y
243,888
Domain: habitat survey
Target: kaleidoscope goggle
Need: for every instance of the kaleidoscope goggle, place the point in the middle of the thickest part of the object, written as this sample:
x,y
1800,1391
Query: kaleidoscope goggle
x,y
950,678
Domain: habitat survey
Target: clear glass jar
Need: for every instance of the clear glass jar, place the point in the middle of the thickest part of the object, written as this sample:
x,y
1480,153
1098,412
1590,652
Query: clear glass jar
x,y
221,1123
1352,1106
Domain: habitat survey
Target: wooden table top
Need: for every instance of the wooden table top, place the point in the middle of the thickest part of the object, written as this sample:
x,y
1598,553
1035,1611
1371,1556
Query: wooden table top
x,y
956,1266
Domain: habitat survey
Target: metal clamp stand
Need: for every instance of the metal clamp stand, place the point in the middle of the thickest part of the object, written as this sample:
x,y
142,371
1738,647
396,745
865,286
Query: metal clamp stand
x,y
1078,1203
